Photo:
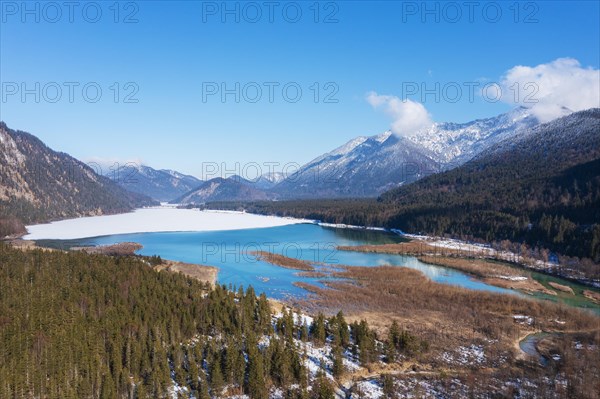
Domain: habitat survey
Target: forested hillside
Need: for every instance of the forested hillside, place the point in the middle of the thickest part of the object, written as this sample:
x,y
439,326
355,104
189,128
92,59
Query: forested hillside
x,y
74,325
543,190
38,184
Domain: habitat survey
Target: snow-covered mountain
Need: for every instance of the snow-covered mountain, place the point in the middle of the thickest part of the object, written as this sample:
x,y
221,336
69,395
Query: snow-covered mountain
x,y
268,180
456,143
363,167
368,166
234,188
554,137
162,185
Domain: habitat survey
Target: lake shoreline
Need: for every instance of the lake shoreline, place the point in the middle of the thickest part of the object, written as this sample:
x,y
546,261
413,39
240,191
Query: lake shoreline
x,y
436,246
204,273
217,246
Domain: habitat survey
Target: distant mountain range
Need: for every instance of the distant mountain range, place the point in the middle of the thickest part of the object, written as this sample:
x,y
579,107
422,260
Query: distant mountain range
x,y
540,188
370,166
38,184
162,185
363,167
233,188
171,186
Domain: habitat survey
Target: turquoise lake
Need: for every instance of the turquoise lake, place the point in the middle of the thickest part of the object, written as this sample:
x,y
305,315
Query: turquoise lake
x,y
230,252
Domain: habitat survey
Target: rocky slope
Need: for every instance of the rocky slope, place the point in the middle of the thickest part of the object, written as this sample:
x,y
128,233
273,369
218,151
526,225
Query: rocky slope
x,y
38,184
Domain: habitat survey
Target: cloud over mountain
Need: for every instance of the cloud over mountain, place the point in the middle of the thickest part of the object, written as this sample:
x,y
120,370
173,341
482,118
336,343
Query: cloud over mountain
x,y
550,88
407,116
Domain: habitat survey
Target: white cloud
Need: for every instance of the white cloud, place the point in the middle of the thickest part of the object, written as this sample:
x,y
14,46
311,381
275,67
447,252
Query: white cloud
x,y
549,88
407,116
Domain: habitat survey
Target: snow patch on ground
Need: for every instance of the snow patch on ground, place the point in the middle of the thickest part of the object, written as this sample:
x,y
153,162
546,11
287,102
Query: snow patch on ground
x,y
486,251
370,389
473,354
579,346
318,358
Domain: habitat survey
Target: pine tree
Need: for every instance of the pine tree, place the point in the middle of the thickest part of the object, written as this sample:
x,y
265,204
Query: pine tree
x,y
140,391
318,329
193,370
203,387
216,375
393,342
108,388
344,331
322,388
304,336
338,361
280,362
256,388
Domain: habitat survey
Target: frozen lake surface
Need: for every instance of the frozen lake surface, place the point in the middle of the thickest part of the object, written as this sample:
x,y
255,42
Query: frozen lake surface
x,y
154,220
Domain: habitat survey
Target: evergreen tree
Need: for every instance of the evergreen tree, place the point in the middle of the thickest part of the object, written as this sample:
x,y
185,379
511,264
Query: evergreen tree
x,y
322,388
216,375
318,329
338,360
256,386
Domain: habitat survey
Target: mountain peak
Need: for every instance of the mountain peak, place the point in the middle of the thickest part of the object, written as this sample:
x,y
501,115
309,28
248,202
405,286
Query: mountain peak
x,y
234,188
381,138
162,185
456,143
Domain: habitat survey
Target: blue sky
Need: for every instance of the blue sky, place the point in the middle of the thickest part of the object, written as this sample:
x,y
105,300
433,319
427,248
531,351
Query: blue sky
x,y
172,52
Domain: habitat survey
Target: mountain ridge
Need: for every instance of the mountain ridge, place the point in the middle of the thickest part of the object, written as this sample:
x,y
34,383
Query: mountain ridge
x,y
457,143
160,184
541,189
233,188
367,166
38,184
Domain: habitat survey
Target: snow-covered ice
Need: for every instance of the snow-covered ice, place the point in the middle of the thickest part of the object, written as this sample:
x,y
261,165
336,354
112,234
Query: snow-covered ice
x,y
154,219
513,278
350,226
520,318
